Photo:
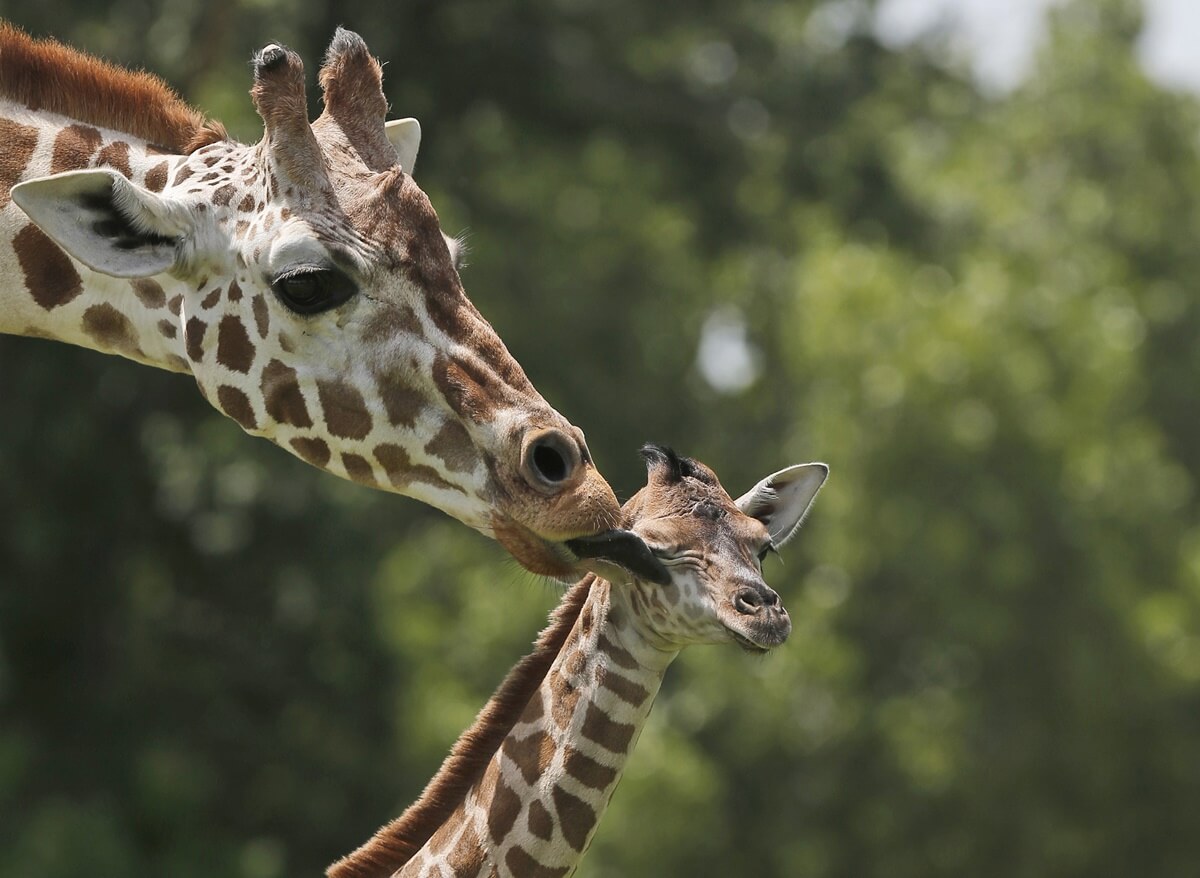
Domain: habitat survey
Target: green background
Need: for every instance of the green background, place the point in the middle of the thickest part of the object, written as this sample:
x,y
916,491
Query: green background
x,y
979,309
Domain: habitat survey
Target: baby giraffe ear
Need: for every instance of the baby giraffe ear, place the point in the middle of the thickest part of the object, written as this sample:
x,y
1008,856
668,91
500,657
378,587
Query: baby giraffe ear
x,y
104,221
780,501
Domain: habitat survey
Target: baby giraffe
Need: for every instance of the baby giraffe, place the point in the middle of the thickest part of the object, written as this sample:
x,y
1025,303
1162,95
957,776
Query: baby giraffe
x,y
523,789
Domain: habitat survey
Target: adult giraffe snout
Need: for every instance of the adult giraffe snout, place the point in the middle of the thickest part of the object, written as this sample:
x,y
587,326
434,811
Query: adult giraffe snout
x,y
555,496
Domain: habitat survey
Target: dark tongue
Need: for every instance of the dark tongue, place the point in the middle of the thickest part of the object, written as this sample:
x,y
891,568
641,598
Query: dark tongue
x,y
625,549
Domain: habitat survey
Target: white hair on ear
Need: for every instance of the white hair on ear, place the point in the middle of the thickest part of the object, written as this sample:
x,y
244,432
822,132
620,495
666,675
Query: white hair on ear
x,y
459,248
782,499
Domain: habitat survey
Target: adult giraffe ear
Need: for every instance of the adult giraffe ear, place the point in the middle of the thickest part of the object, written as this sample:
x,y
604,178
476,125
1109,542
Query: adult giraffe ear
x,y
405,137
781,500
104,221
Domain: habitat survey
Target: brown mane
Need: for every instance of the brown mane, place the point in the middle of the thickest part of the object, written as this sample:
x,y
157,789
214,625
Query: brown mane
x,y
396,843
46,75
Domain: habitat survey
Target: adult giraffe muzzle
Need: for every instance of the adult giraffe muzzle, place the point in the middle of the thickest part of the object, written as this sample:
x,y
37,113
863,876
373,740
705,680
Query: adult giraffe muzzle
x,y
304,281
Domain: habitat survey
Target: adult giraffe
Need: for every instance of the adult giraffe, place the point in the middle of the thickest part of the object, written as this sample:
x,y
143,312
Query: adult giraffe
x,y
304,282
524,788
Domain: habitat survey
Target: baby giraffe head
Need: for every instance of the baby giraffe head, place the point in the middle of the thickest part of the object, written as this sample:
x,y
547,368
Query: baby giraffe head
x,y
711,549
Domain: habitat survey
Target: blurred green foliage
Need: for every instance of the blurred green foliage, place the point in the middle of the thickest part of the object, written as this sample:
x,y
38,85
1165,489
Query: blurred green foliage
x,y
743,228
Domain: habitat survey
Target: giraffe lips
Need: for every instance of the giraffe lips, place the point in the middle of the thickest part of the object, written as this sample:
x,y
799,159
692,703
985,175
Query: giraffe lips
x,y
754,645
625,549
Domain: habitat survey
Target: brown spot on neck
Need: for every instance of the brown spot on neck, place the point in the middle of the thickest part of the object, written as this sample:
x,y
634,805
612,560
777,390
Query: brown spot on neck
x,y
74,147
19,142
564,694
588,771
311,450
49,275
541,824
193,337
521,863
503,810
359,469
619,656
156,177
633,694
531,754
149,292
576,818
599,728
116,156
111,331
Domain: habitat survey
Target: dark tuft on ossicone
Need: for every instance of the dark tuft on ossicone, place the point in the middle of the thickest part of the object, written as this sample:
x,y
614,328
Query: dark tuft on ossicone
x,y
677,468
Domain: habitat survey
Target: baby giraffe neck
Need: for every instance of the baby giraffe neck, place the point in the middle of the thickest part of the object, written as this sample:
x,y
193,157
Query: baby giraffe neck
x,y
532,801
543,794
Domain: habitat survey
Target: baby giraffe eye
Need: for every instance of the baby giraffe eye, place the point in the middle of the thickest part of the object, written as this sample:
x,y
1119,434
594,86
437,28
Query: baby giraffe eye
x,y
311,289
766,550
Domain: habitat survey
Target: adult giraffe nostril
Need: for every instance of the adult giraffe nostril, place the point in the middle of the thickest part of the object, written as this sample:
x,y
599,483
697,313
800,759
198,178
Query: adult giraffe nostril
x,y
747,602
551,461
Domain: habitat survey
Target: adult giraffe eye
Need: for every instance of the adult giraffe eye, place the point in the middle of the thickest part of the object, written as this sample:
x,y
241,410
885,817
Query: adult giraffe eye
x,y
311,290
766,550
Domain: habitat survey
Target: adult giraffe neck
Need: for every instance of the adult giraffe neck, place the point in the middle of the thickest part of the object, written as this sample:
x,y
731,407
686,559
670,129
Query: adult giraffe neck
x,y
48,295
525,787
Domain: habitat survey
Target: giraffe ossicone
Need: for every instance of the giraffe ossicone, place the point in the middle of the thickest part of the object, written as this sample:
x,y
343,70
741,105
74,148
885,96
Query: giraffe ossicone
x,y
304,281
524,788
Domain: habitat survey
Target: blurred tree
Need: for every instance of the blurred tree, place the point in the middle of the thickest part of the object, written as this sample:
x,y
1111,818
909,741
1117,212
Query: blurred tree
x,y
745,229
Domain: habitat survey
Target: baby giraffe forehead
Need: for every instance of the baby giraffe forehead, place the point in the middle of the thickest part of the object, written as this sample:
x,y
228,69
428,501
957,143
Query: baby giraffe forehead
x,y
694,510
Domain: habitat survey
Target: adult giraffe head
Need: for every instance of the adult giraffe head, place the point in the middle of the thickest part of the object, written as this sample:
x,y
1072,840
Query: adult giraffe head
x,y
304,281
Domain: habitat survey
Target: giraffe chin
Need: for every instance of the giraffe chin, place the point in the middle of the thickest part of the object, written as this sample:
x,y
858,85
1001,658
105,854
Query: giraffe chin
x,y
613,554
536,554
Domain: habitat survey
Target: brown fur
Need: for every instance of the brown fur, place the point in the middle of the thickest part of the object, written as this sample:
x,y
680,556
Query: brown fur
x,y
46,75
397,842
